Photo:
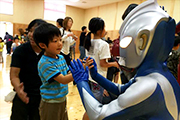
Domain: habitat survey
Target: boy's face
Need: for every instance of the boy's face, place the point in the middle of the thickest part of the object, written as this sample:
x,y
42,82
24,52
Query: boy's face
x,y
0,40
54,46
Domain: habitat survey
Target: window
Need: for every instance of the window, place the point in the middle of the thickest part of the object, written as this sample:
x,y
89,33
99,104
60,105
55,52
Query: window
x,y
54,10
6,7
5,27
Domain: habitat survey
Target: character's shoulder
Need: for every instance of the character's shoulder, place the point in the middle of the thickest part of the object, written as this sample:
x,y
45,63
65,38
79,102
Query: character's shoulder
x,y
147,80
151,81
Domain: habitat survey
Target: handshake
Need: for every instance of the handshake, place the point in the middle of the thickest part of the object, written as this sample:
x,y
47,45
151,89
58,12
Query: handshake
x,y
80,69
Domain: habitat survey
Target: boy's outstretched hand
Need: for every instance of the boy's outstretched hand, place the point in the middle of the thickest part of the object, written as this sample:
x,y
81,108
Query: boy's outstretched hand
x,y
78,72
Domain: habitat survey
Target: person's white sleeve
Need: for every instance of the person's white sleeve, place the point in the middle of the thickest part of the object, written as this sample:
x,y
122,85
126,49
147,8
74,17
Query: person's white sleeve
x,y
64,38
72,41
12,45
104,52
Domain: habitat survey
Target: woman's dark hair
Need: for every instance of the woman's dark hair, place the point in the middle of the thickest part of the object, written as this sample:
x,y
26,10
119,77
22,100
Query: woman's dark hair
x,y
60,22
65,21
35,22
128,10
95,24
45,33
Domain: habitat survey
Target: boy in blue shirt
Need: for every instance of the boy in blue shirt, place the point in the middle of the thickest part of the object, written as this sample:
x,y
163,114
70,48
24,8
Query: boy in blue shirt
x,y
53,72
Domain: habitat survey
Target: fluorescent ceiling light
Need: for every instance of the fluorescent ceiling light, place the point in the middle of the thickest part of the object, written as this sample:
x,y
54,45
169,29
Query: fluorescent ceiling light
x,y
74,0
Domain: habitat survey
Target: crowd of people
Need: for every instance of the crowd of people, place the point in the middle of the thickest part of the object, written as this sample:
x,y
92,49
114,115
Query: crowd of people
x,y
41,56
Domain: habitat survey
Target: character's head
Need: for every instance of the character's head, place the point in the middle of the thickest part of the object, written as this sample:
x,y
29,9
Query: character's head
x,y
48,37
139,30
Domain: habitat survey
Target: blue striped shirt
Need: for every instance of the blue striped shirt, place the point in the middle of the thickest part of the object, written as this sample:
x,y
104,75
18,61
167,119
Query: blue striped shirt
x,y
49,68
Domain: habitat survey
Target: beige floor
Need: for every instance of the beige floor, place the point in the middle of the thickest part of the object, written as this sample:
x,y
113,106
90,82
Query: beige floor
x,y
74,104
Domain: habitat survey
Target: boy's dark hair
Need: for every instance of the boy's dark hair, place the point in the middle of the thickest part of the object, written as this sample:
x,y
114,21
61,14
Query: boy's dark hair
x,y
176,41
128,10
60,22
35,22
1,38
83,28
45,33
95,24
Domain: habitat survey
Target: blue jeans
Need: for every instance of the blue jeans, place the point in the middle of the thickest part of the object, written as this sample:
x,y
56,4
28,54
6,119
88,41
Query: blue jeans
x,y
82,52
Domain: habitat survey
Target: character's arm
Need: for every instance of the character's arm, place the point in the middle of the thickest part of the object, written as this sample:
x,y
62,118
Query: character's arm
x,y
135,101
105,83
81,77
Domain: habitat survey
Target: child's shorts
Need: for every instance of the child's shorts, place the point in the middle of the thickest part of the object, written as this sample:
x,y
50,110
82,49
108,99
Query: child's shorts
x,y
53,111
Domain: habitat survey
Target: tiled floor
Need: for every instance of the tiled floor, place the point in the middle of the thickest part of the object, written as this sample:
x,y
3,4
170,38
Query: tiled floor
x,y
74,104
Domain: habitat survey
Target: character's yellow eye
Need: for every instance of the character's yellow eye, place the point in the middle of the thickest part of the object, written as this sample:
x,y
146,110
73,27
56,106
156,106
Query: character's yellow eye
x,y
125,42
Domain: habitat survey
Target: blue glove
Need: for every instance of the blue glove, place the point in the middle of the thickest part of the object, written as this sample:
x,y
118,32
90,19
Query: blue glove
x,y
105,83
93,70
78,72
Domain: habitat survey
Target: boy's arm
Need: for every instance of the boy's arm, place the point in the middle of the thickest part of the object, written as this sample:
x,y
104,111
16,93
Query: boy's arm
x,y
64,79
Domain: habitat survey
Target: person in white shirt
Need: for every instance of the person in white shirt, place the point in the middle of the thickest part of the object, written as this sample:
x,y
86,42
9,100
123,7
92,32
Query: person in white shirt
x,y
15,44
99,50
68,38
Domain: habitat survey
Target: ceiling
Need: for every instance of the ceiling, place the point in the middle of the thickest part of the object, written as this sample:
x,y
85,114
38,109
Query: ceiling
x,y
85,4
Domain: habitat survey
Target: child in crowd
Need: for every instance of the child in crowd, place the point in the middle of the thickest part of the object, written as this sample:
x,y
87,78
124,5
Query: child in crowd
x,y
15,44
1,49
53,72
99,50
81,43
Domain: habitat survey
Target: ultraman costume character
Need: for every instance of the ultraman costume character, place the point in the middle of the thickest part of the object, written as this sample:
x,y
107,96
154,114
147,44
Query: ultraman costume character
x,y
146,39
